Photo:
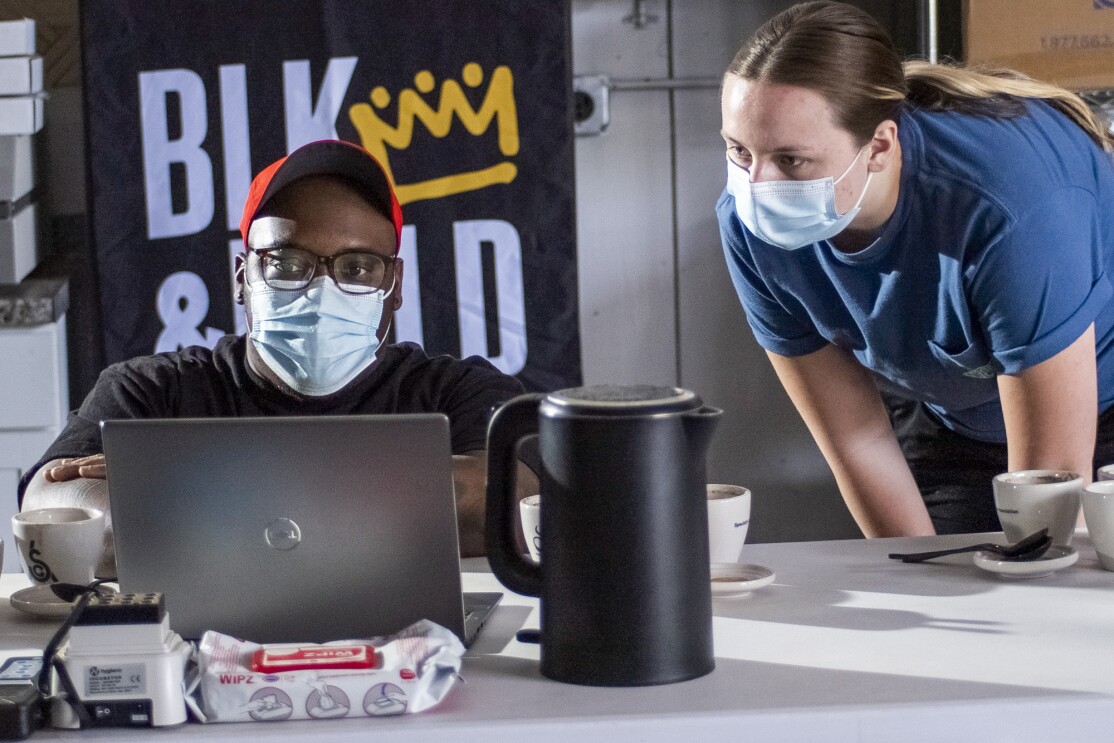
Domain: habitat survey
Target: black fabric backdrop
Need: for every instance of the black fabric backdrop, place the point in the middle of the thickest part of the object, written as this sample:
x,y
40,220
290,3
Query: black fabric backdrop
x,y
469,104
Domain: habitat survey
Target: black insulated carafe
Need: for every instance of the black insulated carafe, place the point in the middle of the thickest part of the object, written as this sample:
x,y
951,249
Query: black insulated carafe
x,y
624,580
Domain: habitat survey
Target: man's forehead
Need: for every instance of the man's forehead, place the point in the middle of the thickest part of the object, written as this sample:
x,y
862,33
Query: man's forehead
x,y
266,231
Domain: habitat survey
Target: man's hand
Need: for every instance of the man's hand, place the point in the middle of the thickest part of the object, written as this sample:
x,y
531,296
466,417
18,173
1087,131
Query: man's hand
x,y
75,483
71,469
470,482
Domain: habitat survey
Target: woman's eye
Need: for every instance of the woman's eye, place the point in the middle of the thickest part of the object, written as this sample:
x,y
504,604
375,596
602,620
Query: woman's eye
x,y
739,155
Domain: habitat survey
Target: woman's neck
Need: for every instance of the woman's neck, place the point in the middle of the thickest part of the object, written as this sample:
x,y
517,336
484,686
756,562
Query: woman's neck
x,y
877,208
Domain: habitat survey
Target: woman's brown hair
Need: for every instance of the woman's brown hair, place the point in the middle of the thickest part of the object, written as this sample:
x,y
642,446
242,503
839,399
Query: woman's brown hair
x,y
845,55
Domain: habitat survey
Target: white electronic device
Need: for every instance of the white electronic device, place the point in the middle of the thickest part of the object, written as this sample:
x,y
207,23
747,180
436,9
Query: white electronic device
x,y
125,665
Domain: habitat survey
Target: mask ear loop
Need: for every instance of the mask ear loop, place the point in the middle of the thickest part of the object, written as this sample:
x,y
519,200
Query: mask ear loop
x,y
852,164
869,175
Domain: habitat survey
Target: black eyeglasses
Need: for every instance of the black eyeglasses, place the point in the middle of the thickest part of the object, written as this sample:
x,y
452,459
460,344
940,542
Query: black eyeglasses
x,y
353,271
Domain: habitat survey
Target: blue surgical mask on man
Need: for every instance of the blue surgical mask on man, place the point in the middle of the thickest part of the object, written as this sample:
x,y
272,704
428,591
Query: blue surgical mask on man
x,y
318,339
790,214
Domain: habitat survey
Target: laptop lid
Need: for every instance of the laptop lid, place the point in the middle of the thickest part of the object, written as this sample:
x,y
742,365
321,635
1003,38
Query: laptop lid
x,y
288,529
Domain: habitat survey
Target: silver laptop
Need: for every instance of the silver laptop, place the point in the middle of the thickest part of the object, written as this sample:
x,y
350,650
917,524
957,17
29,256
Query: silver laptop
x,y
299,529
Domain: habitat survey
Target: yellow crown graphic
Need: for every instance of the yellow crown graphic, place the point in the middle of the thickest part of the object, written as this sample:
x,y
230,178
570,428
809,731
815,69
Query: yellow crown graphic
x,y
377,135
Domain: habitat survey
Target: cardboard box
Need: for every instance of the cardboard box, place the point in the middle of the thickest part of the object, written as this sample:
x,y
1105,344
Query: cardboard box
x,y
17,168
1066,42
19,245
21,115
17,38
21,75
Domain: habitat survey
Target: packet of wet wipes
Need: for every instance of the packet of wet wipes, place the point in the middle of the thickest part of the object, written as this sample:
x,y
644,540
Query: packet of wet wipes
x,y
412,671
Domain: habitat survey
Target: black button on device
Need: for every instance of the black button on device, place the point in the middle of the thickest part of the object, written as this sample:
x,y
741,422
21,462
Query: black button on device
x,y
131,713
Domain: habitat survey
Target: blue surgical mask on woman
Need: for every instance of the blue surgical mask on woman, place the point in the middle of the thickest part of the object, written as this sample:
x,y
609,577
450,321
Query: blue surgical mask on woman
x,y
319,339
790,214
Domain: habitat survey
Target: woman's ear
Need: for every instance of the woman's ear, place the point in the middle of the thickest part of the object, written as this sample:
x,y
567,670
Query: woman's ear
x,y
883,146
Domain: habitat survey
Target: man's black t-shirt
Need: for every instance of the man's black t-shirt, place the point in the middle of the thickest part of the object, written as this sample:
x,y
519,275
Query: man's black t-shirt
x,y
200,383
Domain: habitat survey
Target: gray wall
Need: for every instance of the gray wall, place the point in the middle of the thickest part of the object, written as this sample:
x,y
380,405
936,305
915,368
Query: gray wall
x,y
657,304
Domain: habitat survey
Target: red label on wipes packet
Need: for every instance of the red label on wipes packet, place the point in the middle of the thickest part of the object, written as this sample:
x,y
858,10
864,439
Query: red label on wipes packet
x,y
275,658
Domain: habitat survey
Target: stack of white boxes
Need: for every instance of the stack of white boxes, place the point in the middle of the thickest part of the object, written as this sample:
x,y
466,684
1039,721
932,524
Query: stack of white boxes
x,y
33,376
21,115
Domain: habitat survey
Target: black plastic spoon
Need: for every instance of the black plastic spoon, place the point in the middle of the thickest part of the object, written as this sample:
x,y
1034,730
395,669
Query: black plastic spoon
x,y
1030,548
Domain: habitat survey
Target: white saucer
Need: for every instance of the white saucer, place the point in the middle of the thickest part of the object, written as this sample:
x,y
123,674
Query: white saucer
x,y
1055,559
731,579
40,601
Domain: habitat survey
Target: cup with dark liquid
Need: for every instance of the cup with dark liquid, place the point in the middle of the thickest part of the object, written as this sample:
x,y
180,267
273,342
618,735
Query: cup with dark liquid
x,y
1031,500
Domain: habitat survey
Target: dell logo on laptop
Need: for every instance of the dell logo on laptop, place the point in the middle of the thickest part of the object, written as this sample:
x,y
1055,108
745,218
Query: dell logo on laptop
x,y
282,534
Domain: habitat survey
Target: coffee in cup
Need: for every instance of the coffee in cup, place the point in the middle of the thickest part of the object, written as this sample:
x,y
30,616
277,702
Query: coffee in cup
x,y
728,520
1030,500
1106,472
59,545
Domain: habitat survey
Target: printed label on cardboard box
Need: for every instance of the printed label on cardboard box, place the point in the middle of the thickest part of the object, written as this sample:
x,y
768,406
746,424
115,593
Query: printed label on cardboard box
x,y
1072,47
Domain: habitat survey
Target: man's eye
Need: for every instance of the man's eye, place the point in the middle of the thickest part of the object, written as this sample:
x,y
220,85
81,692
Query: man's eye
x,y
787,161
284,264
352,271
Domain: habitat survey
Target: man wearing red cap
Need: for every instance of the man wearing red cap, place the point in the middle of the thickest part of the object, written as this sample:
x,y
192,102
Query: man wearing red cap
x,y
320,281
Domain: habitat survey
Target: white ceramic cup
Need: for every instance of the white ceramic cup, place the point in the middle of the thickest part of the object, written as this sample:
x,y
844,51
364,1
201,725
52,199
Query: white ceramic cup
x,y
59,545
728,519
1106,472
1098,510
530,510
1030,500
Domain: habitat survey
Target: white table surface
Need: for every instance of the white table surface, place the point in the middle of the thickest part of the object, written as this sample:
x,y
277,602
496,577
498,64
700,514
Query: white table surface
x,y
845,645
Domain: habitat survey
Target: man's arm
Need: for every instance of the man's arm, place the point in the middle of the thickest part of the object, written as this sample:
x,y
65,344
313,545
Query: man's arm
x,y
841,406
75,483
470,481
1051,411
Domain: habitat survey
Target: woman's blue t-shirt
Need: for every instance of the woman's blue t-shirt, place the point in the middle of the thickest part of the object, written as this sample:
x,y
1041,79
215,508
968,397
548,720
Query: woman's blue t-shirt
x,y
993,261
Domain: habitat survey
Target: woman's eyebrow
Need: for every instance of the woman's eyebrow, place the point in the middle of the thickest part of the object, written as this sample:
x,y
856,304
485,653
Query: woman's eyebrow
x,y
791,149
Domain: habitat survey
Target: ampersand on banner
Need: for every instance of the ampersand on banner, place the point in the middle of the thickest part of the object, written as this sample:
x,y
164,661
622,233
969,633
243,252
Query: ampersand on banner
x,y
183,303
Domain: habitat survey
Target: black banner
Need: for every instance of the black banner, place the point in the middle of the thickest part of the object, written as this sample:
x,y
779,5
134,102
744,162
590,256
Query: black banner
x,y
467,104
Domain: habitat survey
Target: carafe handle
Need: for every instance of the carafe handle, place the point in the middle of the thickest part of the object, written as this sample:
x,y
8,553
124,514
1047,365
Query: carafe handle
x,y
511,422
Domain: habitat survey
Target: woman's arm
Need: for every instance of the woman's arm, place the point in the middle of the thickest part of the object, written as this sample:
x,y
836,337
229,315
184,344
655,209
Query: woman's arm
x,y
841,406
1051,411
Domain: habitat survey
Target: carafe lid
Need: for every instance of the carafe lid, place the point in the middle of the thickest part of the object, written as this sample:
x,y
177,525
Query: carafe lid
x,y
613,399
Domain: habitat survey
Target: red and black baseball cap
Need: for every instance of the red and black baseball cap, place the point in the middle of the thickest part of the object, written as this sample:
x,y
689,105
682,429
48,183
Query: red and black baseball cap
x,y
325,157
